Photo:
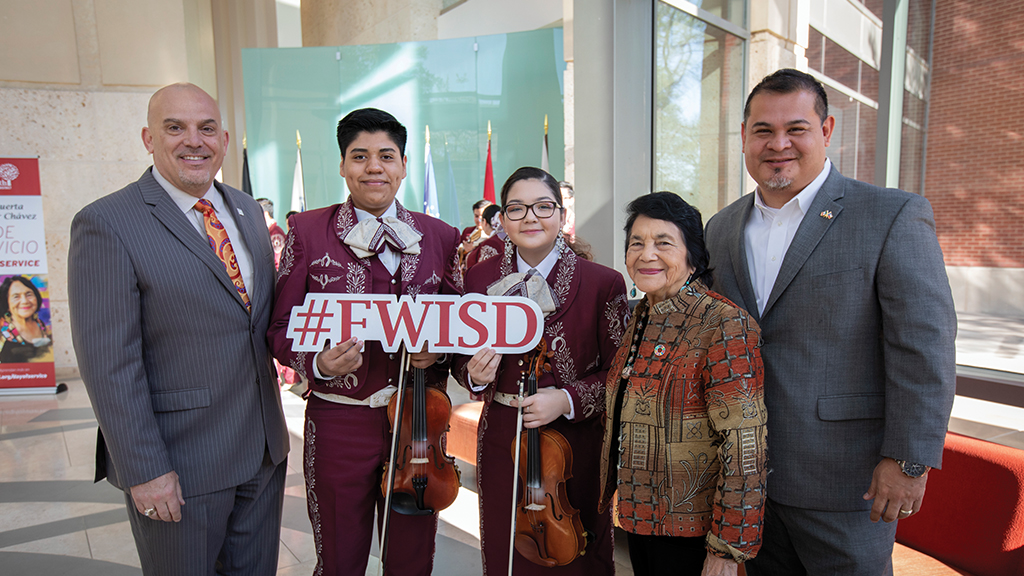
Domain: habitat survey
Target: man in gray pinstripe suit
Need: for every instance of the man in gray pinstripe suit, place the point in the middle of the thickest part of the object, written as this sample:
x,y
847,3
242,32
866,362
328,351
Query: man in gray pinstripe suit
x,y
173,351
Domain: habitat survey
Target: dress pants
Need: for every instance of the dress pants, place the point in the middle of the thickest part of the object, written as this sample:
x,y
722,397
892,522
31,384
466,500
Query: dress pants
x,y
797,541
667,555
231,531
345,451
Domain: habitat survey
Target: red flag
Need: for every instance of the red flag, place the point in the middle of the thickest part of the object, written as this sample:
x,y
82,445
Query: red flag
x,y
489,177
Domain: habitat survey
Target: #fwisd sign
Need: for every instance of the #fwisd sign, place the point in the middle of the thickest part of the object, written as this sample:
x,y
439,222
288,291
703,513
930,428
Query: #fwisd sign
x,y
26,345
444,323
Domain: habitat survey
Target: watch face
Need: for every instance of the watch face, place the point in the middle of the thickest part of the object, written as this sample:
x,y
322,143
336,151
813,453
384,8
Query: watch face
x,y
913,469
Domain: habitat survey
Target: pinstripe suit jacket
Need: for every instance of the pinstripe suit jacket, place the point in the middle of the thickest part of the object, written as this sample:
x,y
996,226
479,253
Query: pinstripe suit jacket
x,y
858,339
178,372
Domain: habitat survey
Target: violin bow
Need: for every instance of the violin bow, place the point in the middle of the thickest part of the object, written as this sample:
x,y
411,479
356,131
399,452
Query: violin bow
x,y
391,461
515,477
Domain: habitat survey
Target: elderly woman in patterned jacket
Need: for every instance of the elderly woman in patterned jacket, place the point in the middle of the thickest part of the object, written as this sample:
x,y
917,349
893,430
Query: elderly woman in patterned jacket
x,y
585,310
684,443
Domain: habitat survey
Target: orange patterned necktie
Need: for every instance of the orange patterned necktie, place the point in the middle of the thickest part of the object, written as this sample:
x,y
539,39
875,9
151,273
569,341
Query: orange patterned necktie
x,y
221,245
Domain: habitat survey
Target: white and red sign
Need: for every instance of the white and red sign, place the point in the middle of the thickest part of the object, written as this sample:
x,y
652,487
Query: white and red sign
x,y
26,346
445,323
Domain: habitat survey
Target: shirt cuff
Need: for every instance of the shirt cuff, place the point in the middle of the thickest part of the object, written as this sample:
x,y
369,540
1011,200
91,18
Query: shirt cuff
x,y
572,409
316,373
474,387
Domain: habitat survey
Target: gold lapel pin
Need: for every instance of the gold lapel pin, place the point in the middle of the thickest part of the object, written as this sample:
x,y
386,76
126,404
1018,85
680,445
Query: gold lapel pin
x,y
826,214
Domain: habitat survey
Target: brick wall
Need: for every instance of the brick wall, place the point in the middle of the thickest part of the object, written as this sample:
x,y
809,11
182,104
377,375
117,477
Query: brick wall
x,y
975,170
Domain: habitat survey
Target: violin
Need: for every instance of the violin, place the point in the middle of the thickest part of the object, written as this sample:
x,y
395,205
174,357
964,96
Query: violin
x,y
548,530
425,478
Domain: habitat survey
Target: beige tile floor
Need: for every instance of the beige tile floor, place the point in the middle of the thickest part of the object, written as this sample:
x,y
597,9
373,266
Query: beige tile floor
x,y
55,520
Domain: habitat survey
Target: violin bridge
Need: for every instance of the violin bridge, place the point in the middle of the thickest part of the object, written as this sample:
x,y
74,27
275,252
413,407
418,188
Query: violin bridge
x,y
535,507
420,461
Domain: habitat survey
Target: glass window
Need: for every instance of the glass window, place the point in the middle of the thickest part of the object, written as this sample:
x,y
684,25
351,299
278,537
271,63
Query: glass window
x,y
698,89
852,149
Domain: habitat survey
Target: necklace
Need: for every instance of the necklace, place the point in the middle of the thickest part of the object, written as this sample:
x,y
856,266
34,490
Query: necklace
x,y
638,334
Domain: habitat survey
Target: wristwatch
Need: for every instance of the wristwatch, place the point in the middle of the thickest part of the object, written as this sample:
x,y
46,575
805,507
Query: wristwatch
x,y
912,469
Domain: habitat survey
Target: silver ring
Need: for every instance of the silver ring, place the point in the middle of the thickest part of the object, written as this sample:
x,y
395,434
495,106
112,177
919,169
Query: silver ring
x,y
907,512
151,512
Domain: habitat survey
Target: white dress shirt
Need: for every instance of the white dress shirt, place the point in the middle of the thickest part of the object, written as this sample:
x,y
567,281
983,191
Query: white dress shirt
x,y
769,232
187,202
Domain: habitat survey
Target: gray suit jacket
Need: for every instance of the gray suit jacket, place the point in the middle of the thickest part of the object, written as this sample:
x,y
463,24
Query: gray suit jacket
x,y
858,339
178,372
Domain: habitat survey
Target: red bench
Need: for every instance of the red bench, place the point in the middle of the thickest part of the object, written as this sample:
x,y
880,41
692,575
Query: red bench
x,y
972,520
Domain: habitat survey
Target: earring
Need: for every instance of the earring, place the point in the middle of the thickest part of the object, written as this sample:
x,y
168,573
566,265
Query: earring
x,y
632,293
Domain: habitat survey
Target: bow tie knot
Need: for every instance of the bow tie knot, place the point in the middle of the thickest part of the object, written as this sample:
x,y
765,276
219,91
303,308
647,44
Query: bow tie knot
x,y
373,235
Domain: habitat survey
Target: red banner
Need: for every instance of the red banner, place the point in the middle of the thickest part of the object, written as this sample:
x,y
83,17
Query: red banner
x,y
26,328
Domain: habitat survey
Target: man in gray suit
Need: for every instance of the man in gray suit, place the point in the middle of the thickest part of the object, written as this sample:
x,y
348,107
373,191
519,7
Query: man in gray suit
x,y
170,281
848,285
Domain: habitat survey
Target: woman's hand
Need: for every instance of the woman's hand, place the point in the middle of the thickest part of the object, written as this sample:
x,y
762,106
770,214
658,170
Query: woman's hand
x,y
483,367
715,566
544,406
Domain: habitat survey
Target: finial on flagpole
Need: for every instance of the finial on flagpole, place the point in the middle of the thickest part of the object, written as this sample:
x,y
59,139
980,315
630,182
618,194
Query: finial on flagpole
x,y
488,130
298,140
545,124
243,140
428,133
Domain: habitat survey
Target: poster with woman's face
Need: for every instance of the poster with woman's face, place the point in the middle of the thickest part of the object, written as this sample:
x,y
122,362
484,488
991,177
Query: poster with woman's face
x,y
25,328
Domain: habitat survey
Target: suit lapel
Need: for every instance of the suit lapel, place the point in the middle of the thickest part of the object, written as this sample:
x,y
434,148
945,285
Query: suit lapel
x,y
810,232
167,212
738,257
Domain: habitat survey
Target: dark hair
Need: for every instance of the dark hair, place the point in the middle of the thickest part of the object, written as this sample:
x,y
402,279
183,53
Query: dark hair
x,y
489,212
370,120
567,186
670,207
581,248
480,204
267,205
788,81
5,293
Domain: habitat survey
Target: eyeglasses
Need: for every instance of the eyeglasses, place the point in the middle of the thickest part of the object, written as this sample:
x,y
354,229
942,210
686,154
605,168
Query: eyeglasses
x,y
544,209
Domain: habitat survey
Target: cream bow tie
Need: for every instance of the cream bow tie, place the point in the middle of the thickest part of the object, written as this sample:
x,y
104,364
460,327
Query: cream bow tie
x,y
369,237
528,285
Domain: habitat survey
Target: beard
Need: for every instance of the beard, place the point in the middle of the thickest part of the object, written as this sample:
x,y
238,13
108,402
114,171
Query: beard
x,y
193,177
778,181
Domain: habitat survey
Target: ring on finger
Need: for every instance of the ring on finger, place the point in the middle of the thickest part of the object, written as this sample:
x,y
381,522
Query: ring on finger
x,y
905,512
150,512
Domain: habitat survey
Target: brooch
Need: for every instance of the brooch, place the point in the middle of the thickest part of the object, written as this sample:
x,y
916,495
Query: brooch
x,y
659,350
826,214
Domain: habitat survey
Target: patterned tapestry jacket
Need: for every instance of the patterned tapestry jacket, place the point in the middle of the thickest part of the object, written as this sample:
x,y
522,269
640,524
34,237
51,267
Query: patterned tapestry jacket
x,y
685,444
316,259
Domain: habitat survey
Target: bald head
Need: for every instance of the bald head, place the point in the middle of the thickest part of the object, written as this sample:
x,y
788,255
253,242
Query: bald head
x,y
186,137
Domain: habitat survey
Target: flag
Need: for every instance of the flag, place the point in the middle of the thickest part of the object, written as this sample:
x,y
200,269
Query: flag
x,y
246,183
453,208
545,164
298,190
429,185
489,170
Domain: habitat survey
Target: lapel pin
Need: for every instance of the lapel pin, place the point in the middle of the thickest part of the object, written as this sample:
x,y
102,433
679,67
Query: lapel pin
x,y
826,214
240,213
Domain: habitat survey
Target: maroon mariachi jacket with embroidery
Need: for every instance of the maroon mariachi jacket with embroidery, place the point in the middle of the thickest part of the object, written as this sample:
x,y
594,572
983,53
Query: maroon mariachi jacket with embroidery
x,y
316,259
584,332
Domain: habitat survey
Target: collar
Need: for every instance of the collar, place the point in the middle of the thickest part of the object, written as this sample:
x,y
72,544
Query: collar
x,y
545,266
185,201
361,215
801,201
